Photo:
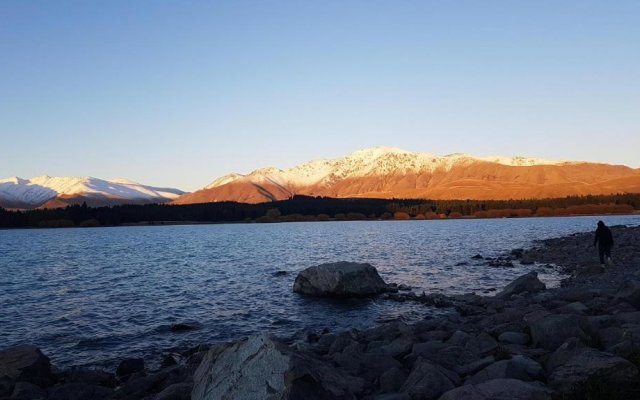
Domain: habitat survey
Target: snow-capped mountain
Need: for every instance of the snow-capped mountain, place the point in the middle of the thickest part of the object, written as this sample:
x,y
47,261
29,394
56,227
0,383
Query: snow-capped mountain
x,y
370,162
46,191
385,172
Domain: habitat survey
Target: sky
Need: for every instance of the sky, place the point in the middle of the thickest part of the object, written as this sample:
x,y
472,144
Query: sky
x,y
178,93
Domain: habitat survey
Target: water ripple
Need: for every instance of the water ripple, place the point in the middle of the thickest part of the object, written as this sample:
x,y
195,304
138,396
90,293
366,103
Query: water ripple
x,y
94,296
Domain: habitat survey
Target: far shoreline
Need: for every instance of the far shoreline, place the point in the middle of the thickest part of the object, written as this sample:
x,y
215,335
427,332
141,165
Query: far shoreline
x,y
188,223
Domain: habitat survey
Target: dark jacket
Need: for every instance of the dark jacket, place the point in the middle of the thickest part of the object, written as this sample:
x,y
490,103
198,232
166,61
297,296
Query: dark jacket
x,y
603,237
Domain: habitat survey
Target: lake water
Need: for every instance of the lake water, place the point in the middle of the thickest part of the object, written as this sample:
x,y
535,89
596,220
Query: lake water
x,y
96,296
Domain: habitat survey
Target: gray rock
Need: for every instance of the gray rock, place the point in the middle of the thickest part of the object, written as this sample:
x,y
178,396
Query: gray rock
x,y
6,387
611,336
368,365
261,368
525,283
437,334
551,331
475,366
324,343
426,381
458,338
452,356
466,392
628,317
564,353
341,279
398,347
129,366
629,292
90,376
27,364
514,338
588,368
499,389
595,323
518,367
482,344
392,396
79,391
177,391
425,350
572,294
589,271
387,332
139,385
392,380
28,391
341,341
574,308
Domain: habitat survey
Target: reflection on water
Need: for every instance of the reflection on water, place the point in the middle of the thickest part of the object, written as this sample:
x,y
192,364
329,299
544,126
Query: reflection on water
x,y
93,296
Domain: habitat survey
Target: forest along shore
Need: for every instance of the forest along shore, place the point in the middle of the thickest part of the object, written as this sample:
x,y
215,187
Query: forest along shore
x,y
578,341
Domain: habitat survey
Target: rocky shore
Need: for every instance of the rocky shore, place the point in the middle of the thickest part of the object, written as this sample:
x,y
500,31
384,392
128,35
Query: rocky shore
x,y
528,342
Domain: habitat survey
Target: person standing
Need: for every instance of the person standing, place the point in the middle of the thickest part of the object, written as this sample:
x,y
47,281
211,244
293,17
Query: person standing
x,y
604,240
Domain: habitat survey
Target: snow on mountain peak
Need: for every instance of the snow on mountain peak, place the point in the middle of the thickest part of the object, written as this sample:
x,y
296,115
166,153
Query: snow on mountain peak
x,y
13,179
223,180
38,190
370,161
375,152
123,180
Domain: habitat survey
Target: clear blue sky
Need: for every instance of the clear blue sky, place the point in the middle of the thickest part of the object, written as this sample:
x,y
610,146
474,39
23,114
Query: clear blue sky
x,y
176,93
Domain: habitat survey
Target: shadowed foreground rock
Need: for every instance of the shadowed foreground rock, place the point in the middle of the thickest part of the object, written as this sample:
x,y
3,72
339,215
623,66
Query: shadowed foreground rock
x,y
260,368
25,364
499,389
341,279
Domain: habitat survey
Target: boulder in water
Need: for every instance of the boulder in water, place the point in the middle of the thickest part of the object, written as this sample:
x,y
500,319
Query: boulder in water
x,y
341,279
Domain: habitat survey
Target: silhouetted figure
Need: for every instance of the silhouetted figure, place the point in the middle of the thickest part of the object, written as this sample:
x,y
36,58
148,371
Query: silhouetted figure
x,y
604,240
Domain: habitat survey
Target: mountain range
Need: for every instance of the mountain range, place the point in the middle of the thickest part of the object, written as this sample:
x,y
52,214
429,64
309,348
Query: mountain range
x,y
380,172
53,192
384,172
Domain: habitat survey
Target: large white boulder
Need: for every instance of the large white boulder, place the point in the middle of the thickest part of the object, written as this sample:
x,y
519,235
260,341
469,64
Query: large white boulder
x,y
261,368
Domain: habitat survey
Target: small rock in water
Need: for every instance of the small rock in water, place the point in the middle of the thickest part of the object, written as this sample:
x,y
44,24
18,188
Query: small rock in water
x,y
392,288
182,328
167,361
477,257
517,253
281,273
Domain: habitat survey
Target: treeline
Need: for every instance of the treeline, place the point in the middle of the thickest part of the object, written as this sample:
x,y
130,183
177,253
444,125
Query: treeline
x,y
572,205
304,208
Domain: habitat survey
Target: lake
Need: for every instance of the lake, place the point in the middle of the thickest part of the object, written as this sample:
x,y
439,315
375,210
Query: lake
x,y
96,296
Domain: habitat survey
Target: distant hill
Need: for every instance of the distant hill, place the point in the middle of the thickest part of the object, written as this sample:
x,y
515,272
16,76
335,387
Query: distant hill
x,y
53,192
393,173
